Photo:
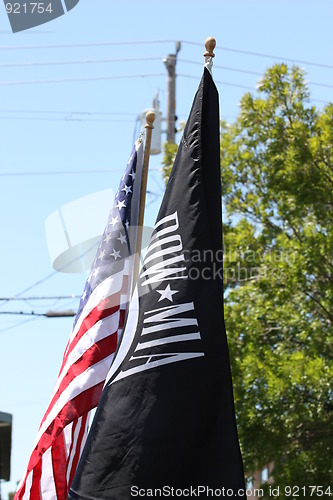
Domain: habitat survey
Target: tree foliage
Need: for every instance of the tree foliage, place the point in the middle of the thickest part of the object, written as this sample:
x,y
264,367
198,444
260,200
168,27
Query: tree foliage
x,y
277,180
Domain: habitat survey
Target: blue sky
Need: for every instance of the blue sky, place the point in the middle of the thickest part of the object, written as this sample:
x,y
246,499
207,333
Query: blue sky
x,y
65,140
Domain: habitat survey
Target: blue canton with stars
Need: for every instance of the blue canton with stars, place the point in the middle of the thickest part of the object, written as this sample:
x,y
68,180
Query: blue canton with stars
x,y
114,247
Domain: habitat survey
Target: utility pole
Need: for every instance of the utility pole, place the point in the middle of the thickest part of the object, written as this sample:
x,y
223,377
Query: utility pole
x,y
170,63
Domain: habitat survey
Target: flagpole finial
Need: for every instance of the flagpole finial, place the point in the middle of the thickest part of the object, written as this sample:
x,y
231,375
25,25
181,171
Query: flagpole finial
x,y
210,44
150,118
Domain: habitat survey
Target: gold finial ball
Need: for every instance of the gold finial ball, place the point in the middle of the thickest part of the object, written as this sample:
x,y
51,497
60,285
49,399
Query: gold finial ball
x,y
210,44
150,118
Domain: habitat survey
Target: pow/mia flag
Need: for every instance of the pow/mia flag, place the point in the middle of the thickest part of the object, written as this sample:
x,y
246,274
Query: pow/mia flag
x,y
166,415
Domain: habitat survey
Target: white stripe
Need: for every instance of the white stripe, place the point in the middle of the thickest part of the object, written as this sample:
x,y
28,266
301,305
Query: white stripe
x,y
128,335
91,377
109,286
47,486
68,437
76,435
99,331
28,484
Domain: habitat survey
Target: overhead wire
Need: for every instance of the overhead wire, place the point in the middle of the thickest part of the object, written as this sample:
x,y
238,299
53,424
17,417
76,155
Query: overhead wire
x,y
22,313
245,87
64,119
152,42
67,172
88,44
101,61
65,80
68,116
111,113
85,61
57,297
115,77
80,79
132,59
248,72
260,54
19,323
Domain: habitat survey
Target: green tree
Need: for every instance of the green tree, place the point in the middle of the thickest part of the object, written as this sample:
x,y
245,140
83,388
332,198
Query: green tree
x,y
277,180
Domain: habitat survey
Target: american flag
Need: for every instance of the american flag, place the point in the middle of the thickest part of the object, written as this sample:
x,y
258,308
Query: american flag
x,y
96,332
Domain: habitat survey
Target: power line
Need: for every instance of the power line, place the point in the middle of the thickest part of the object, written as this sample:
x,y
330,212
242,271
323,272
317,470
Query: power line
x,y
197,63
85,61
68,172
108,113
48,314
19,323
245,87
223,83
259,54
80,79
105,61
63,297
39,282
152,42
248,72
70,116
65,119
90,44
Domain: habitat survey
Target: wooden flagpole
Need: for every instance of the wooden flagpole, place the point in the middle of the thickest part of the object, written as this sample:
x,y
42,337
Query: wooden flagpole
x,y
150,118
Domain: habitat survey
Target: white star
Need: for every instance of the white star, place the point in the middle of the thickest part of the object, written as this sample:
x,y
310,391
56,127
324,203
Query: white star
x,y
115,254
166,294
101,255
114,221
122,238
120,204
89,278
96,271
84,295
132,174
126,224
127,189
107,237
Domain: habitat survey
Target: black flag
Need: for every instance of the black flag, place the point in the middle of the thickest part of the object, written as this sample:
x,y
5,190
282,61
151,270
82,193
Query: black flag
x,y
165,424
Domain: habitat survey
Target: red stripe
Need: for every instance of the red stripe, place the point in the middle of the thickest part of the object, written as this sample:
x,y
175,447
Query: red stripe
x,y
83,402
101,311
97,352
74,424
79,405
106,307
35,486
59,467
